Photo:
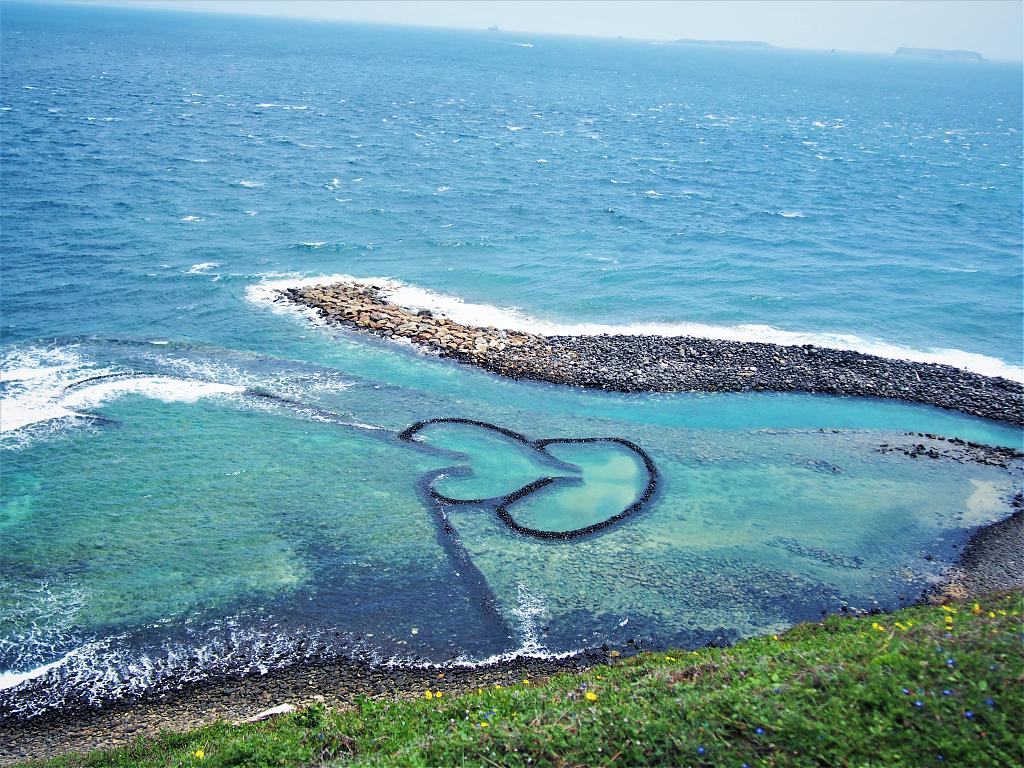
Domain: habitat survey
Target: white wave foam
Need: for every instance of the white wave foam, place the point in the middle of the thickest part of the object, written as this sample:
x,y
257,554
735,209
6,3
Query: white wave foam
x,y
34,381
268,105
163,388
250,184
792,214
529,615
191,218
265,292
110,669
13,679
36,386
202,269
511,318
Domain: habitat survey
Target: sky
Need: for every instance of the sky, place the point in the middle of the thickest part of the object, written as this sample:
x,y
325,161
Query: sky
x,y
994,28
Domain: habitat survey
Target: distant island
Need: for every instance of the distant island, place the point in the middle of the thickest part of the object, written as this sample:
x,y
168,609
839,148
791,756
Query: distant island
x,y
938,53
732,43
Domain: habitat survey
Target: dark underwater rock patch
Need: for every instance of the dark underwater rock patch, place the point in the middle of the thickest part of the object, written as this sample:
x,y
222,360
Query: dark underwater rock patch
x,y
929,446
628,363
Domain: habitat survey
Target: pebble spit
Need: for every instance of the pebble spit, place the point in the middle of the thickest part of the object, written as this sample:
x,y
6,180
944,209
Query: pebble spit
x,y
666,364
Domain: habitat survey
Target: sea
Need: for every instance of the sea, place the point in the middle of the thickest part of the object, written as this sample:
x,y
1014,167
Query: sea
x,y
199,479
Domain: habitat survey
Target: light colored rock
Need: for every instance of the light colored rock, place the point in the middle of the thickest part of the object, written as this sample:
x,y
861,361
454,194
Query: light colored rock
x,y
280,709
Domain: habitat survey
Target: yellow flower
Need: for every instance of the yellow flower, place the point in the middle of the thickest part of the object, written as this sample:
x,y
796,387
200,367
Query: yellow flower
x,y
991,614
614,654
438,694
525,681
497,685
775,637
976,609
591,696
669,658
199,753
428,694
485,724
947,609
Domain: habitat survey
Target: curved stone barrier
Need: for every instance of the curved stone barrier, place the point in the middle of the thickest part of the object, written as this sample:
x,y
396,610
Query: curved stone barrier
x,y
504,503
667,364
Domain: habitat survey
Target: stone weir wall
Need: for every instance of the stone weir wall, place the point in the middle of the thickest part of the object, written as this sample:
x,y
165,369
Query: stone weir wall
x,y
667,364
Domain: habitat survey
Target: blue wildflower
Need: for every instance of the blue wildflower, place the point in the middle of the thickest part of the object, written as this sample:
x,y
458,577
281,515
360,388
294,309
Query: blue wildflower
x,y
991,702
759,730
950,662
918,703
969,715
700,750
947,693
906,691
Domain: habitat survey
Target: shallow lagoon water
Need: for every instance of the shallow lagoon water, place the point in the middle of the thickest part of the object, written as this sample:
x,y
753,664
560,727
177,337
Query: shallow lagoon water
x,y
281,512
197,480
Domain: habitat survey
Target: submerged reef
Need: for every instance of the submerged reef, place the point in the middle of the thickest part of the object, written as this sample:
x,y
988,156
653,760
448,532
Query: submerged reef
x,y
629,363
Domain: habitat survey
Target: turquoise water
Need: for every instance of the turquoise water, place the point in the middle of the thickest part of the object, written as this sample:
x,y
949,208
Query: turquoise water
x,y
197,479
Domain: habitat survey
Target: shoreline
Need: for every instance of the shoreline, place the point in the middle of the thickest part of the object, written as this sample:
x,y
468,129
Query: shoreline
x,y
627,363
336,682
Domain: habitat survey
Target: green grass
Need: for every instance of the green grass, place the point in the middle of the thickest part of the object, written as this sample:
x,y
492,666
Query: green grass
x,y
889,690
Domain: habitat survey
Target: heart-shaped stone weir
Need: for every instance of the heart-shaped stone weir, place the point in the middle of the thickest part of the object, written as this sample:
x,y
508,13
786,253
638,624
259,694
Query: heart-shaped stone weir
x,y
554,488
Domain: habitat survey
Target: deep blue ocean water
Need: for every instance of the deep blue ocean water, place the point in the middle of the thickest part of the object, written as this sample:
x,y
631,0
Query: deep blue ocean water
x,y
162,172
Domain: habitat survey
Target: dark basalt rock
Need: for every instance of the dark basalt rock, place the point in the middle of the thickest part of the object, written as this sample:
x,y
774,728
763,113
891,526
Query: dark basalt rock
x,y
628,363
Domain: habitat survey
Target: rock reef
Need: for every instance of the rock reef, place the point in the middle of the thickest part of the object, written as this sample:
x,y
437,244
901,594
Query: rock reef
x,y
628,363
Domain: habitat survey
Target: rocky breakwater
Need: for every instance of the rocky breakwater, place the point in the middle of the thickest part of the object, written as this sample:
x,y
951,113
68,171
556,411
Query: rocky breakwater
x,y
666,364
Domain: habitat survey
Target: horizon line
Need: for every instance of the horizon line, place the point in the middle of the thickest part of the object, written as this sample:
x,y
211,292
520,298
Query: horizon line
x,y
169,6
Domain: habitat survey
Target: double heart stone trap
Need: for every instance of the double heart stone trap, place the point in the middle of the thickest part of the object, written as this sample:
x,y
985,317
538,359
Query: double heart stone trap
x,y
556,488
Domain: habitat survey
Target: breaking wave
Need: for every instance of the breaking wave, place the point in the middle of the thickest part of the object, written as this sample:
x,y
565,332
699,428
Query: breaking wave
x,y
511,318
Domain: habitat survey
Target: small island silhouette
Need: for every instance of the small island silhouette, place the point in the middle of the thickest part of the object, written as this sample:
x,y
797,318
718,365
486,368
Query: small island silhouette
x,y
939,53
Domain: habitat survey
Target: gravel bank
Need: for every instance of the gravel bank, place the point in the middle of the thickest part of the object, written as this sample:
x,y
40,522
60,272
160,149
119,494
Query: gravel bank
x,y
337,682
667,364
993,559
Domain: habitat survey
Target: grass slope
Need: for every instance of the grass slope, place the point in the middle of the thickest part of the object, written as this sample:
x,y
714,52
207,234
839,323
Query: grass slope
x,y
923,686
